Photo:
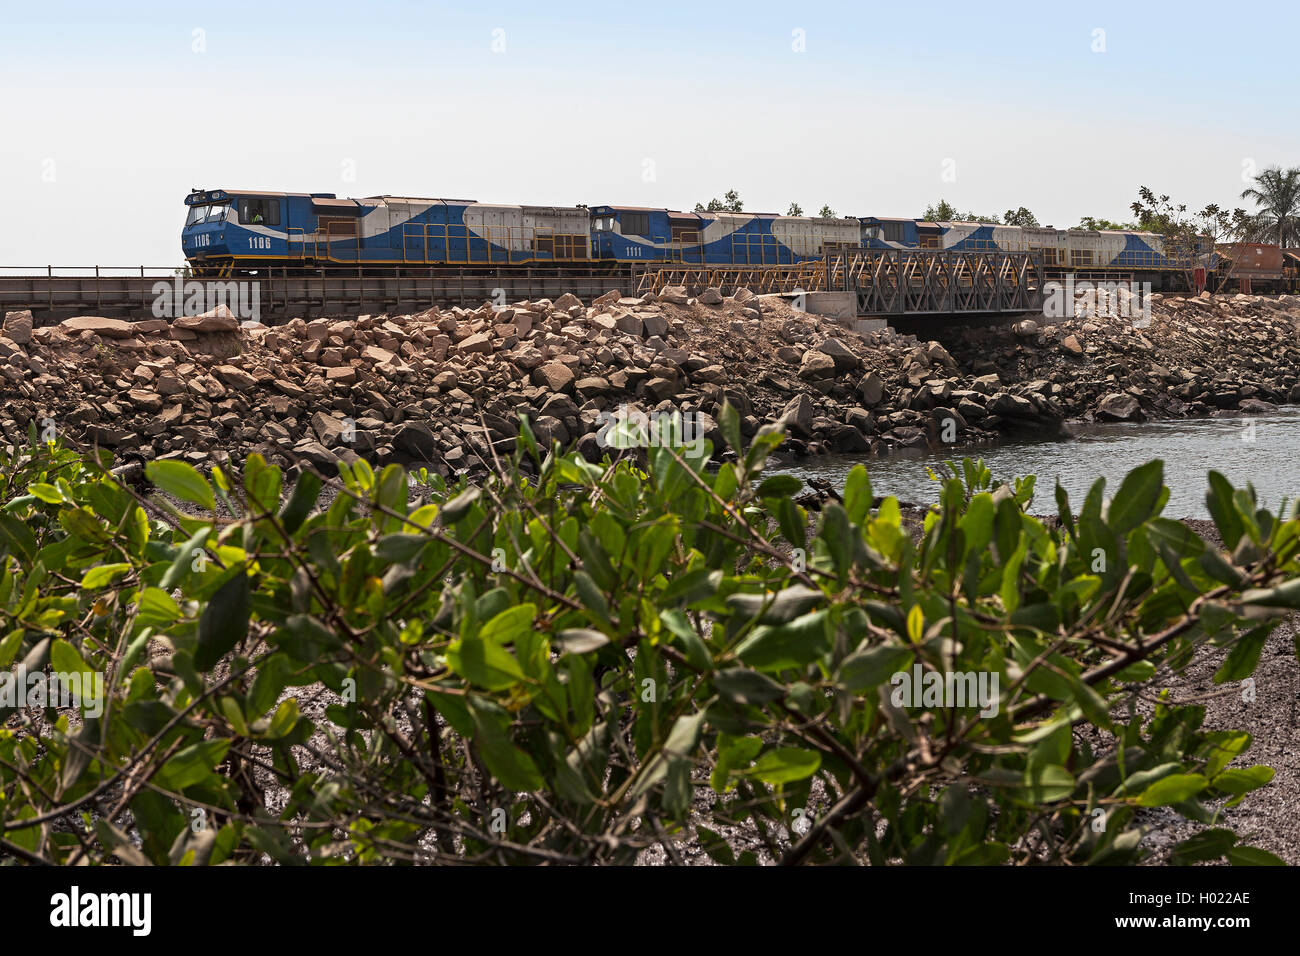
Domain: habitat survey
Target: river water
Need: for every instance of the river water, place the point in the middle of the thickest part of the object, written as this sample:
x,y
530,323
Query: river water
x,y
1263,449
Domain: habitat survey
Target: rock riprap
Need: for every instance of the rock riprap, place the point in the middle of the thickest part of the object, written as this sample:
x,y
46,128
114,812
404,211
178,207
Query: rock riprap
x,y
444,388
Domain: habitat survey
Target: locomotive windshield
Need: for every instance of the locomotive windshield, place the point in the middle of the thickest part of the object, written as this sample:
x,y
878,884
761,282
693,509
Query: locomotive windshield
x,y
201,214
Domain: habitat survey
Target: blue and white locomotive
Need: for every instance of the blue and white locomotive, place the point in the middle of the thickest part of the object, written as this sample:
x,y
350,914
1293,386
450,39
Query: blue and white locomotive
x,y
232,231
247,230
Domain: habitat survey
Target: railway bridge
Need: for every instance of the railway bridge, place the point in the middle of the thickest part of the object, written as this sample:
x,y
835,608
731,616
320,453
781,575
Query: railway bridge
x,y
879,283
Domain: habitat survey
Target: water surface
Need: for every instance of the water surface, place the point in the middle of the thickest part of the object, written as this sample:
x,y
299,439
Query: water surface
x,y
1263,449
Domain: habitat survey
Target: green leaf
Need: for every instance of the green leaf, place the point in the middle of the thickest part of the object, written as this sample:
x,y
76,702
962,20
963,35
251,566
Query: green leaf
x,y
863,671
1219,502
282,721
272,678
458,507
510,624
157,609
1135,501
857,494
685,638
46,492
785,765
17,537
182,481
1048,783
779,486
677,751
1174,788
1207,845
1284,595
729,424
97,577
1242,780
1253,856
800,642
66,659
398,548
484,663
977,523
224,622
778,608
580,640
192,765
746,687
305,492
511,766
183,562
1241,660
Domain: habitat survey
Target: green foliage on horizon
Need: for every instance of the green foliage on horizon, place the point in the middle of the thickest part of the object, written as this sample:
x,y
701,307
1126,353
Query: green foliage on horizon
x,y
730,202
575,666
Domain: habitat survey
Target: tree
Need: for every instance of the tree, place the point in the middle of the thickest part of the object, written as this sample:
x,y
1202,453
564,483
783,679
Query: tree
x,y
1159,213
1277,193
943,211
730,202
1091,224
1190,239
794,210
1020,217
826,212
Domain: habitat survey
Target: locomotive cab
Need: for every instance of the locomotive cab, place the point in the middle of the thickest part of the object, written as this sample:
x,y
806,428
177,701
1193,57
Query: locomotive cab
x,y
204,234
225,228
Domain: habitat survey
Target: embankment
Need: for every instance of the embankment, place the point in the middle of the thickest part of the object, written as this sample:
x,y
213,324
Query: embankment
x,y
439,387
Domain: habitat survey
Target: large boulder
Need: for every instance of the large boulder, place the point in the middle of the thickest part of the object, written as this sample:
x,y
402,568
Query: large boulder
x,y
417,440
797,416
1119,407
234,377
554,376
1011,406
815,365
328,429
18,327
220,319
654,323
871,389
845,360
480,343
630,323
104,327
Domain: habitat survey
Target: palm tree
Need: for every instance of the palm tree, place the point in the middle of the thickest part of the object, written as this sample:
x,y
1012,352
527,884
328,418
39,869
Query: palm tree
x,y
1277,193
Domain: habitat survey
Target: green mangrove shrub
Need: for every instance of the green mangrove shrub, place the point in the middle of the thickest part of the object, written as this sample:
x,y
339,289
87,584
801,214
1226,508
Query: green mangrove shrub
x,y
577,663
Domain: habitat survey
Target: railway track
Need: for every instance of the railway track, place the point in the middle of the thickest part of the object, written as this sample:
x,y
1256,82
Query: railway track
x,y
885,283
144,292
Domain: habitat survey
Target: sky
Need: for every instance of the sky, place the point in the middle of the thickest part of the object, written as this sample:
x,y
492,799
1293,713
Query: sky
x,y
111,112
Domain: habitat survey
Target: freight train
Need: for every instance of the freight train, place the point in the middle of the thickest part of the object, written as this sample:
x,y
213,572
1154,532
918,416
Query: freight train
x,y
241,232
